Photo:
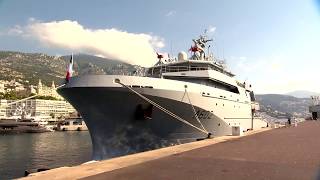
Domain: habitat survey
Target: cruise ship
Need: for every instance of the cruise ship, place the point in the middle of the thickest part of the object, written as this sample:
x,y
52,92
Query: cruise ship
x,y
177,100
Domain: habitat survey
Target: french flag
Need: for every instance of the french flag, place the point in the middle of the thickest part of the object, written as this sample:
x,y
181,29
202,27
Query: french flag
x,y
69,70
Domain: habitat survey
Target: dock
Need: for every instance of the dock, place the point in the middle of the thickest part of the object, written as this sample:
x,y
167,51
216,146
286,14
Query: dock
x,y
282,153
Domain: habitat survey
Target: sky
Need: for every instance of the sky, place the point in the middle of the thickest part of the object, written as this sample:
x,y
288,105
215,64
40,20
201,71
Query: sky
x,y
274,45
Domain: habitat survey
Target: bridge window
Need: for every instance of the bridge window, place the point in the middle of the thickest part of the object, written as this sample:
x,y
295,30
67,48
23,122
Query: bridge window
x,y
207,82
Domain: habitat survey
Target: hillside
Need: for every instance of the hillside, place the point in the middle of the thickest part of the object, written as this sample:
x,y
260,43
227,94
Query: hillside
x,y
88,64
28,68
277,105
302,94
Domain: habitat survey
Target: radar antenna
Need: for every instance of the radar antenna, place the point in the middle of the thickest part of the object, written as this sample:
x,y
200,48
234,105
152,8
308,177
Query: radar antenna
x,y
199,46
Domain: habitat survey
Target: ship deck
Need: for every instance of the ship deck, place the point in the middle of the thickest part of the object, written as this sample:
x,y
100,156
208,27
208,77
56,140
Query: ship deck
x,y
284,153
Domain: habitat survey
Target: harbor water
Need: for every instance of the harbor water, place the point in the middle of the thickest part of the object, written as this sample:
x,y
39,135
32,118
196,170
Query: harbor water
x,y
20,152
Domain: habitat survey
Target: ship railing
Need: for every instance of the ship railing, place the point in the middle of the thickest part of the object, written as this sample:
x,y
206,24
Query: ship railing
x,y
158,71
184,68
166,69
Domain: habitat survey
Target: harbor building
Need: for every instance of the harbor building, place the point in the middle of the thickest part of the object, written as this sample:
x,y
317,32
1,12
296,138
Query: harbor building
x,y
13,85
43,90
33,107
2,108
38,107
20,89
31,90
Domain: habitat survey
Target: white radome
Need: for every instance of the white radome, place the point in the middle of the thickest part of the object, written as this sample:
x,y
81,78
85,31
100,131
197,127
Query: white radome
x,y
182,56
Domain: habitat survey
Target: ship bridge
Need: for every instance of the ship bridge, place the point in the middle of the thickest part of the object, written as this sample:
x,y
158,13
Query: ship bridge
x,y
201,68
196,71
188,65
199,61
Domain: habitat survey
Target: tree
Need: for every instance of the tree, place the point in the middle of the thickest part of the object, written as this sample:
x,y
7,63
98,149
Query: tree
x,y
45,98
12,95
52,115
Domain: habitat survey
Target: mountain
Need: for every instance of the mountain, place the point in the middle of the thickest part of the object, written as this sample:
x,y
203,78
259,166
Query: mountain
x,y
28,68
278,105
88,64
302,94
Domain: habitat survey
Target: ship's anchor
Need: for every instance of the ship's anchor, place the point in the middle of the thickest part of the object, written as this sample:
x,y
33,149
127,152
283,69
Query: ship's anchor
x,y
164,109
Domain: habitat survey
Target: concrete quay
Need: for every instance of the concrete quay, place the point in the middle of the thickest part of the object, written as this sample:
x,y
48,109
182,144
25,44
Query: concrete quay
x,y
283,153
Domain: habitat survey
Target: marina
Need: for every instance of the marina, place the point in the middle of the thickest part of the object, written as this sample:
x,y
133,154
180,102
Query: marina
x,y
141,89
12,126
281,153
178,105
38,115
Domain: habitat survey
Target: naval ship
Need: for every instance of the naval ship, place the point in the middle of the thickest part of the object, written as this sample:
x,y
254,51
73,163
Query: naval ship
x,y
177,100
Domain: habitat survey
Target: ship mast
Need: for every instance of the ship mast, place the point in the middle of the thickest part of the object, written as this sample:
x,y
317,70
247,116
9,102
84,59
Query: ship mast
x,y
199,47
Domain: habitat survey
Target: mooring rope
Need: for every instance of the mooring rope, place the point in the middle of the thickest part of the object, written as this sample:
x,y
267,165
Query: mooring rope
x,y
194,111
162,108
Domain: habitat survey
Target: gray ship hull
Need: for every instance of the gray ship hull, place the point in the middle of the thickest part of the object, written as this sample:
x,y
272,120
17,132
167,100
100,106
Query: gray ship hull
x,y
120,122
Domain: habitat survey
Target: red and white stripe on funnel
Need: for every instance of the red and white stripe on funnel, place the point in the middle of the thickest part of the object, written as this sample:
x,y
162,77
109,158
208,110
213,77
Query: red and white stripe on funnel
x,y
69,70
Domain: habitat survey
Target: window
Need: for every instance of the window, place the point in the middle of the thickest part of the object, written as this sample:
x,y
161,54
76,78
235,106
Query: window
x,y
207,82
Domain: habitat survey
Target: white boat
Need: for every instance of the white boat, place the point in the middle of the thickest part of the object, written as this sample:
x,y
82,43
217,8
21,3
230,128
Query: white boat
x,y
178,100
72,124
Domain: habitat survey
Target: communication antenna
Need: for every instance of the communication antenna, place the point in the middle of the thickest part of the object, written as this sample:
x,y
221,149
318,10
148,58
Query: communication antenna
x,y
171,48
223,53
222,49
217,49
